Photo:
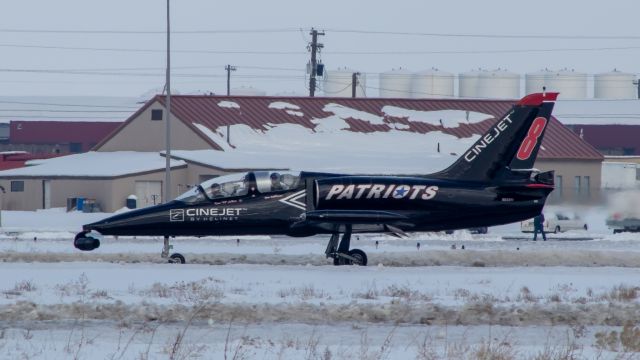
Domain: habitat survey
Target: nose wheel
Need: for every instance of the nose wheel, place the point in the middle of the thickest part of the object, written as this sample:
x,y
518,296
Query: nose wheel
x,y
175,258
340,252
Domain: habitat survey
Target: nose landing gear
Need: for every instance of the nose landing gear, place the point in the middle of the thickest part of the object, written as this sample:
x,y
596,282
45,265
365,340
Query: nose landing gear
x,y
175,258
85,242
340,251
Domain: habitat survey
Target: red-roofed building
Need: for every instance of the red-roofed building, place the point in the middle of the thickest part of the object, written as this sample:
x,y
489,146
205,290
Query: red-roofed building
x,y
611,139
18,159
56,137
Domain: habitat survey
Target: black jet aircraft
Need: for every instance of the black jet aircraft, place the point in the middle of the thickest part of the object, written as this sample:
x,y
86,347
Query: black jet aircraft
x,y
492,183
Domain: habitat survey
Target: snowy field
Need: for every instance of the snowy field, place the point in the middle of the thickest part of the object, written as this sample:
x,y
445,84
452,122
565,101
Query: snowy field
x,y
279,298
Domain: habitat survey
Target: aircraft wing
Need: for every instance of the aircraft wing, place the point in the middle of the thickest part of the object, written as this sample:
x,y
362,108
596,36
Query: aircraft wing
x,y
354,216
361,220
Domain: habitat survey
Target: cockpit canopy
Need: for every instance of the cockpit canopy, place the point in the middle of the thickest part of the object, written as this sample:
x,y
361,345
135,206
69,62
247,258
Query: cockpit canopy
x,y
241,184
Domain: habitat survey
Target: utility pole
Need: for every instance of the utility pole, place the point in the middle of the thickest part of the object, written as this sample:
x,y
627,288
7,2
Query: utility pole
x,y
354,83
229,69
314,47
167,180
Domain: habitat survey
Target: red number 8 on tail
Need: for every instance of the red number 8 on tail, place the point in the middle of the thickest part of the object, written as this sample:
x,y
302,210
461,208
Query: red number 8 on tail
x,y
529,143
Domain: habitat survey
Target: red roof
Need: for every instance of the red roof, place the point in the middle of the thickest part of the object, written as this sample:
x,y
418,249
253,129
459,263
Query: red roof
x,y
59,132
611,136
559,142
17,159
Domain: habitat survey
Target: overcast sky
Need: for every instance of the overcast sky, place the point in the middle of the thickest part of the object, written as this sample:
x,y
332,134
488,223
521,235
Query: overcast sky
x,y
202,69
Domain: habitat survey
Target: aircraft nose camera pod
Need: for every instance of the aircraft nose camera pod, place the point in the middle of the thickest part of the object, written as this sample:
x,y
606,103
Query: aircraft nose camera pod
x,y
493,183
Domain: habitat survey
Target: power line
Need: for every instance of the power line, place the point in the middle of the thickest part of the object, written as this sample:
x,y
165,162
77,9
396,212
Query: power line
x,y
68,111
495,51
129,74
115,119
337,52
488,36
336,30
151,32
76,48
70,105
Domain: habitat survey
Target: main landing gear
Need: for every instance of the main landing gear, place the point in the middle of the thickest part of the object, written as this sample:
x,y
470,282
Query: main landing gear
x,y
340,251
175,258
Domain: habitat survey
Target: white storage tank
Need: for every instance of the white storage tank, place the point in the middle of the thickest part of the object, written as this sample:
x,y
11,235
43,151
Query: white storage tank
x,y
337,83
468,83
432,83
247,91
499,84
569,83
615,85
535,82
395,83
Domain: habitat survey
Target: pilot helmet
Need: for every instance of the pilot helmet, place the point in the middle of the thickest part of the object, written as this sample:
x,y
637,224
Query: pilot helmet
x,y
275,176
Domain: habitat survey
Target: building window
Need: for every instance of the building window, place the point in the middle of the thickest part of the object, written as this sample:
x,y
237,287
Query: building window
x,y
559,188
587,185
156,115
576,185
17,186
75,147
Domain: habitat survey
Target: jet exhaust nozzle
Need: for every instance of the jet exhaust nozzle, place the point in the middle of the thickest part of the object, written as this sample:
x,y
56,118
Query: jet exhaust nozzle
x,y
85,243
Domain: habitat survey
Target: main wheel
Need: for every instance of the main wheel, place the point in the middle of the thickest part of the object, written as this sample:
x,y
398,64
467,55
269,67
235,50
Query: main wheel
x,y
556,230
176,259
586,228
360,256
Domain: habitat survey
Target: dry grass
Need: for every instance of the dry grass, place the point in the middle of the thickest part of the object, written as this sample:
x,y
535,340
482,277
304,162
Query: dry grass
x,y
625,341
192,292
622,293
21,287
304,293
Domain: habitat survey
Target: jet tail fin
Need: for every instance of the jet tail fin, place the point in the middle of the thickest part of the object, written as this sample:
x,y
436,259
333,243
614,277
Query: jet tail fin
x,y
512,143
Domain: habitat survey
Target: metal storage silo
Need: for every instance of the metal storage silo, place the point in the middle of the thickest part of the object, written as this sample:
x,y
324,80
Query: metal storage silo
x,y
337,83
432,83
468,83
535,82
569,83
395,83
247,91
499,84
615,85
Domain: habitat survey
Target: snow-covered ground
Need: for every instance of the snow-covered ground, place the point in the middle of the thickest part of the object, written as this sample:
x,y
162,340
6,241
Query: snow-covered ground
x,y
288,311
517,298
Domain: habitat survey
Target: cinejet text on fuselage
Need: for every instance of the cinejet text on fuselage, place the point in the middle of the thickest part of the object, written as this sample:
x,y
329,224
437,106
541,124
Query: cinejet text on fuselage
x,y
488,138
212,214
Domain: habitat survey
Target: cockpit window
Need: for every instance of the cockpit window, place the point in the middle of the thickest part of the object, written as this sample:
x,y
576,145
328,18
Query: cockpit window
x,y
241,184
219,187
269,181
